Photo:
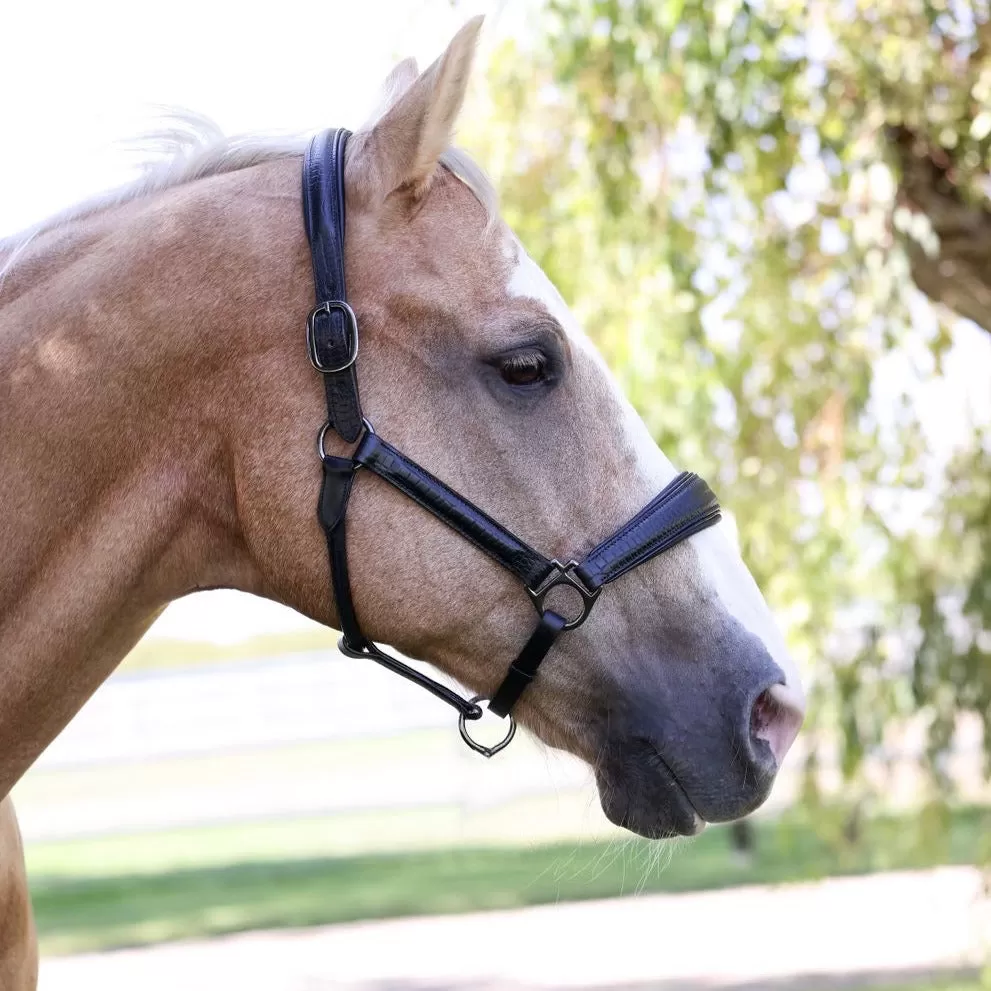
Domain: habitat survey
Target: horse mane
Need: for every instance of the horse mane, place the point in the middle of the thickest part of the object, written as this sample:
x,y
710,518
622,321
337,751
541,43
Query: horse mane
x,y
187,146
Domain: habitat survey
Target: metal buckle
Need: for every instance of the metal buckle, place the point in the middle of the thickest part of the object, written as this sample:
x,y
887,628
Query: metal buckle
x,y
480,747
352,334
563,574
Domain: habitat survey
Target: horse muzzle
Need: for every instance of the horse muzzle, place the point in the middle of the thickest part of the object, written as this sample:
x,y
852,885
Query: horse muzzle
x,y
695,751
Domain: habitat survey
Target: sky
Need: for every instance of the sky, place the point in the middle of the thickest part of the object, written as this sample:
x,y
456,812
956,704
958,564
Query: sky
x,y
82,79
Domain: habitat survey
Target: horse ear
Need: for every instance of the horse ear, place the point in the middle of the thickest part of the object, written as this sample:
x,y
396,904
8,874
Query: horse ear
x,y
396,83
401,149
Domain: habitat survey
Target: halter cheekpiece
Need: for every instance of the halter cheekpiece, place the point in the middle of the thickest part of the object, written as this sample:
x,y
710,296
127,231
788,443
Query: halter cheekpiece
x,y
685,506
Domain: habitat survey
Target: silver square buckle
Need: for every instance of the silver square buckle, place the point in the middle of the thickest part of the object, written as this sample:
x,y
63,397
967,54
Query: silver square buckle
x,y
351,331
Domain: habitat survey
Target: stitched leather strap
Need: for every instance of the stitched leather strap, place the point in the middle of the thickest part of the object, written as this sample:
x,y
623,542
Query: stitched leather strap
x,y
338,476
332,331
465,517
523,670
685,506
468,708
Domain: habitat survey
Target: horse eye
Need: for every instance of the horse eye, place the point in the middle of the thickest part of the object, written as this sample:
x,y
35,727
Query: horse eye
x,y
524,368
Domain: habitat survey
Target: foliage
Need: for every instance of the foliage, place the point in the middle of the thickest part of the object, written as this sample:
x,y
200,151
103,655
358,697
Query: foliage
x,y
716,186
960,985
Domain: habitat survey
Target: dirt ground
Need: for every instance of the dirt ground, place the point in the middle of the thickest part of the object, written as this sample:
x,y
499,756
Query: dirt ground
x,y
845,932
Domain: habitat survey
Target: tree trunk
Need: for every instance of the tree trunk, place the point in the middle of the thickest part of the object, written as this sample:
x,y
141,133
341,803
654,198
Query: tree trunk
x,y
958,274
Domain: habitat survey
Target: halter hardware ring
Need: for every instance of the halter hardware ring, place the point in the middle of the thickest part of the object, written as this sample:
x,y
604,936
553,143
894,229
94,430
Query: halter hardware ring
x,y
327,308
367,429
564,574
480,748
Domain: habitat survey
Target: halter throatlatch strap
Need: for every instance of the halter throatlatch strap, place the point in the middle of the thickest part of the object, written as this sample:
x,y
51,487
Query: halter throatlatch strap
x,y
338,476
683,508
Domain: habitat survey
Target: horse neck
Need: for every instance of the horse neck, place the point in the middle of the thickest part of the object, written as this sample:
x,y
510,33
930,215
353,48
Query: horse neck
x,y
117,339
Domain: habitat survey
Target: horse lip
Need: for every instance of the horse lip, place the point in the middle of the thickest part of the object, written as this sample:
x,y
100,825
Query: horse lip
x,y
699,823
663,812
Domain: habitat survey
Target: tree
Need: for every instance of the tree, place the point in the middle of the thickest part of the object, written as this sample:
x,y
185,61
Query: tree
x,y
742,201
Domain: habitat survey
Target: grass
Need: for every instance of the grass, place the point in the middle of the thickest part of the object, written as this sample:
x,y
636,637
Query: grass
x,y
204,882
953,985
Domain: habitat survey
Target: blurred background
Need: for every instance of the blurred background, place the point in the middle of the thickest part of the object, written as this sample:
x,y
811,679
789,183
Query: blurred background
x,y
773,217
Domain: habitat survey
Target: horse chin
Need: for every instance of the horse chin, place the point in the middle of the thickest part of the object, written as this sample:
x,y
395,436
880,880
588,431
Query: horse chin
x,y
639,793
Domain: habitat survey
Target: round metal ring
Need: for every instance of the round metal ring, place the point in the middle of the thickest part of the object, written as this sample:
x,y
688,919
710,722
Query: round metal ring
x,y
480,748
321,439
322,436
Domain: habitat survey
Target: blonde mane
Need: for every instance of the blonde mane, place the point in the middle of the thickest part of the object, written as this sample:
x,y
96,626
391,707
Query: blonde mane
x,y
188,146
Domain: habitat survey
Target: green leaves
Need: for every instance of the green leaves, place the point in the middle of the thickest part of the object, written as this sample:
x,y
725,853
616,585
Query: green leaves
x,y
712,185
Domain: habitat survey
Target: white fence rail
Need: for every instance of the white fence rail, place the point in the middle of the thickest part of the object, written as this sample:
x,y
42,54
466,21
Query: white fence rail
x,y
264,703
306,735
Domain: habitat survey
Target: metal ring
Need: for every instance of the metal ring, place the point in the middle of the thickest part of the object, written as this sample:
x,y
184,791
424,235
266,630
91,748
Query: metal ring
x,y
480,747
322,436
564,574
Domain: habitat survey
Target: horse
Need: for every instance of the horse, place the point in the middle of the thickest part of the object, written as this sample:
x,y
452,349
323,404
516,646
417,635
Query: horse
x,y
157,420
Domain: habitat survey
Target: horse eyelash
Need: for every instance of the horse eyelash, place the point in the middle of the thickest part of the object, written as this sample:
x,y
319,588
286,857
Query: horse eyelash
x,y
526,360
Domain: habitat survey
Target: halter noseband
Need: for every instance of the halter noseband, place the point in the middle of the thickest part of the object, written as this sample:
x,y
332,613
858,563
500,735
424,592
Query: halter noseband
x,y
685,506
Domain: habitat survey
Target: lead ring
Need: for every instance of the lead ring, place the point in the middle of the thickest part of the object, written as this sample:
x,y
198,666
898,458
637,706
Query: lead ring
x,y
480,747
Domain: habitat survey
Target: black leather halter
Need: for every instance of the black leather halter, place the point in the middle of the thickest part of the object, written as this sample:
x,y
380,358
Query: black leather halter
x,y
684,507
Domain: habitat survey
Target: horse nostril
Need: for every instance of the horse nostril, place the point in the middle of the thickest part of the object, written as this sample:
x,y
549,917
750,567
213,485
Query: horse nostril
x,y
776,719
